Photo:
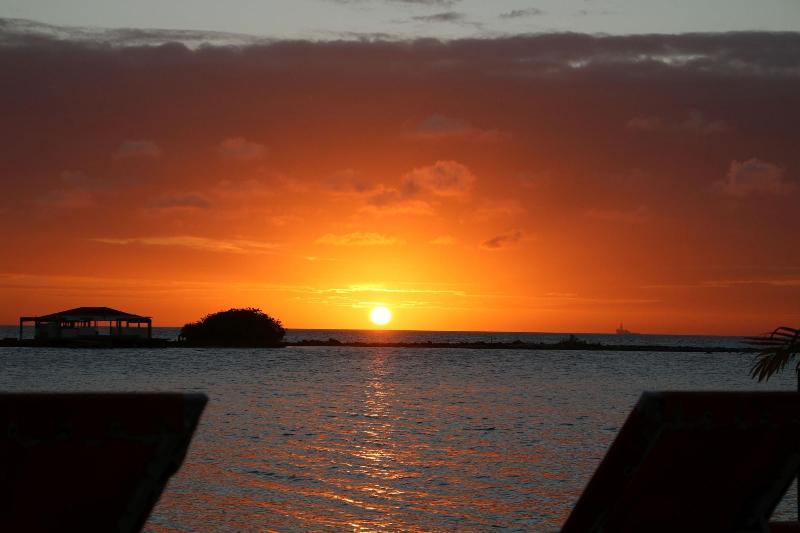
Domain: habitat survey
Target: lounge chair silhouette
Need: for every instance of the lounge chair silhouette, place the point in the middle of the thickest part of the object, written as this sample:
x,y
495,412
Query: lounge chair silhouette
x,y
695,461
89,462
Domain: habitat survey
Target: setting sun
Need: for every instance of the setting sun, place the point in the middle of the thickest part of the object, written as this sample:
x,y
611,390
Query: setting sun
x,y
380,315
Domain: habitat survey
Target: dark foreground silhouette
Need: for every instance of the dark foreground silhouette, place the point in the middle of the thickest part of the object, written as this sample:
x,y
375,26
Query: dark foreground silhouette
x,y
89,462
248,327
695,461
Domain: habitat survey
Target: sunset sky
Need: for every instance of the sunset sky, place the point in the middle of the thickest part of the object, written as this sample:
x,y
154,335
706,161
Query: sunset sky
x,y
470,168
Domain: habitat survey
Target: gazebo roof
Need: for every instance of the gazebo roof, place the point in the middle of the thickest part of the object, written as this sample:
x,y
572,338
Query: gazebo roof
x,y
91,313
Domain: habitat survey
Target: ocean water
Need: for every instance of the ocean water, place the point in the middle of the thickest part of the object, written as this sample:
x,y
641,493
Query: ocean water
x,y
371,439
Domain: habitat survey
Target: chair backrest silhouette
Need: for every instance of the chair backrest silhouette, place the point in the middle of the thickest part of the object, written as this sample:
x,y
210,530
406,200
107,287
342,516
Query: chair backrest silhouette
x,y
695,461
89,462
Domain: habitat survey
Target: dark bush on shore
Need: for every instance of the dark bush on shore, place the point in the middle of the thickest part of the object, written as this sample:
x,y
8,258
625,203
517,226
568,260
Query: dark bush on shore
x,y
235,327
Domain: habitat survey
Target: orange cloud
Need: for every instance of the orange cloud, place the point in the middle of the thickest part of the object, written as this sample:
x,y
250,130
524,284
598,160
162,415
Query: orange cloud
x,y
443,178
197,243
358,238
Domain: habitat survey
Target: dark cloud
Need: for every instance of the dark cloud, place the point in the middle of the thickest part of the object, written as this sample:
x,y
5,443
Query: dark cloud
x,y
760,54
418,187
755,177
502,241
520,13
446,16
444,178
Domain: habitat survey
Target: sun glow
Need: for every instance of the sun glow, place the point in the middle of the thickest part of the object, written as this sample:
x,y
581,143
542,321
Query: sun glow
x,y
380,315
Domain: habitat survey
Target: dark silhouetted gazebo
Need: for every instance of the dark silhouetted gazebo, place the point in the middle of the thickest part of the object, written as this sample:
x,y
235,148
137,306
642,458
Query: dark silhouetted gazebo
x,y
89,323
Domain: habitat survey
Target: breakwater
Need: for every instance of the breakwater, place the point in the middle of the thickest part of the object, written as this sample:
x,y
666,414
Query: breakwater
x,y
570,343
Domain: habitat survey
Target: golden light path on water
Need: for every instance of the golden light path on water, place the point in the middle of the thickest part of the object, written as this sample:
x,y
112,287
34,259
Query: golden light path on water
x,y
349,439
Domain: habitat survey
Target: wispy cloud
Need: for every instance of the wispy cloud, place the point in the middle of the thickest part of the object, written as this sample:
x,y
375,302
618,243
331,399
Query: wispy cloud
x,y
404,296
67,199
728,283
196,243
446,16
699,123
126,286
519,13
75,190
491,210
348,181
394,204
645,123
365,288
439,128
141,148
639,214
443,240
696,123
241,149
13,31
358,239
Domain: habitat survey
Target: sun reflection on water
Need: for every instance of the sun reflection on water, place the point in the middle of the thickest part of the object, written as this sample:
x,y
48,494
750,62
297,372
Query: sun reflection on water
x,y
377,446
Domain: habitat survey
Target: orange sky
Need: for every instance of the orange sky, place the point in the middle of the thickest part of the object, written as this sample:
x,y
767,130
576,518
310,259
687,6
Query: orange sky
x,y
550,183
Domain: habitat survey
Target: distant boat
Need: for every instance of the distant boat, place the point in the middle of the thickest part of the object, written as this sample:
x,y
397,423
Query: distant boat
x,y
622,331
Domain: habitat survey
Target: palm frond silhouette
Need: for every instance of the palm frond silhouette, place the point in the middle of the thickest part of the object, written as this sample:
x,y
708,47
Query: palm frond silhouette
x,y
774,351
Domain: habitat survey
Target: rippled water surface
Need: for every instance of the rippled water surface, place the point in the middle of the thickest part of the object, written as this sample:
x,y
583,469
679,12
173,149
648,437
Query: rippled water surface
x,y
363,439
